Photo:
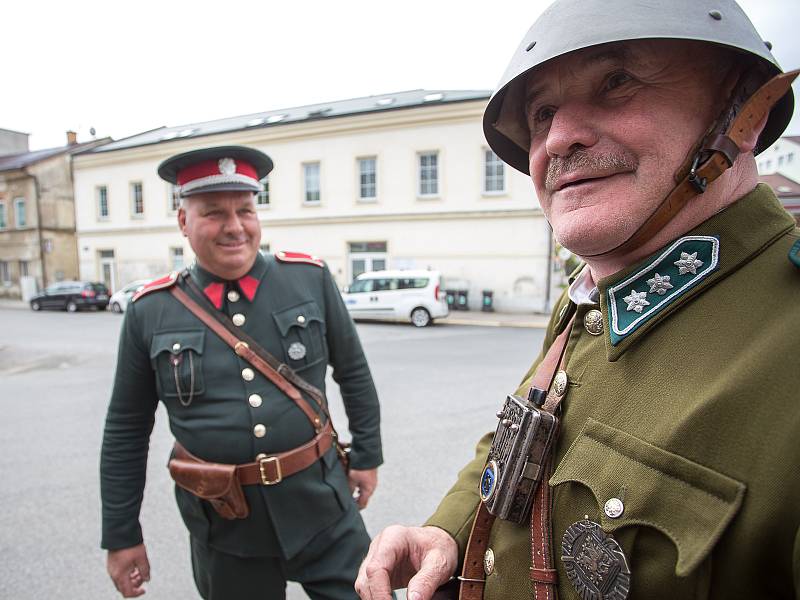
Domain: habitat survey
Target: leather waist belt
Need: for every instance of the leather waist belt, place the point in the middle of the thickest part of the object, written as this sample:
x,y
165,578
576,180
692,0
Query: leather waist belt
x,y
270,469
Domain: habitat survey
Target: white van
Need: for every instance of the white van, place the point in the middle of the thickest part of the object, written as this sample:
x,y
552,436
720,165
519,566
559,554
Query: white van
x,y
416,296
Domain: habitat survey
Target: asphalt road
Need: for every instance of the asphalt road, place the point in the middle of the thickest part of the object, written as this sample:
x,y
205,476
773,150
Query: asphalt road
x,y
439,389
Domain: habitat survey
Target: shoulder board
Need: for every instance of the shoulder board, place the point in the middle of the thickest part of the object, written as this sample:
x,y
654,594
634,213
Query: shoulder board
x,y
161,283
299,257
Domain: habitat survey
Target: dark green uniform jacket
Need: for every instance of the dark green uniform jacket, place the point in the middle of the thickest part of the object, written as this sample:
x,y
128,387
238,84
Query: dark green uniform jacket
x,y
686,406
232,417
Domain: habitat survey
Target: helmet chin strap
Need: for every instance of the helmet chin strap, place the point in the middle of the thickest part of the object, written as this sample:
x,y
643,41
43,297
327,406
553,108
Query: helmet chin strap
x,y
716,154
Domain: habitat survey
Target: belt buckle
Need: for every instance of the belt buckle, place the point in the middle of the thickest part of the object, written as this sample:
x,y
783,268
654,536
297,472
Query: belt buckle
x,y
264,479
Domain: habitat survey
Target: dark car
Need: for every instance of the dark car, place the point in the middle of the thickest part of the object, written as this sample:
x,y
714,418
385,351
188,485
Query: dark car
x,y
72,296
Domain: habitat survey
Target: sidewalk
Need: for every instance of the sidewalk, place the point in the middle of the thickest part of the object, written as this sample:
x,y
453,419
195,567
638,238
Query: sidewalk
x,y
495,319
9,303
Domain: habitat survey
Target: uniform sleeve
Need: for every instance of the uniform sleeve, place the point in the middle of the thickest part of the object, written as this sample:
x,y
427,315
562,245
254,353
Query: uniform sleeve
x,y
126,439
796,565
351,373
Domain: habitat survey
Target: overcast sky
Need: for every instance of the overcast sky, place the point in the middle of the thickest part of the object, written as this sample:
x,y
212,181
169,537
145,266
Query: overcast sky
x,y
127,67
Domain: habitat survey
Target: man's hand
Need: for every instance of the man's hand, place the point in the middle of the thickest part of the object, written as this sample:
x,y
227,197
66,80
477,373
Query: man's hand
x,y
420,558
362,484
129,570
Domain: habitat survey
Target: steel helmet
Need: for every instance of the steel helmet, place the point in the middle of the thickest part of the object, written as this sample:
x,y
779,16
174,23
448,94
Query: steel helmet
x,y
569,25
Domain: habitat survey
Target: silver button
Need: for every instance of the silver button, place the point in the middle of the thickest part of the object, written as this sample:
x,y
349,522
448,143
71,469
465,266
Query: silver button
x,y
614,508
560,383
488,562
248,374
176,347
233,296
259,431
301,319
593,322
238,319
254,400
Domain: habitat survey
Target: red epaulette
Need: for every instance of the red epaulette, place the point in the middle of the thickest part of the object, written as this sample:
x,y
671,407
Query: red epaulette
x,y
161,283
299,257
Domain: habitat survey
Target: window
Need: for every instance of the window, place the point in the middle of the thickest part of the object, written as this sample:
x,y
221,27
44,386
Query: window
x,y
780,161
264,249
263,196
5,274
102,202
176,259
429,174
494,180
23,268
174,197
413,284
137,199
3,222
311,177
367,178
19,212
789,158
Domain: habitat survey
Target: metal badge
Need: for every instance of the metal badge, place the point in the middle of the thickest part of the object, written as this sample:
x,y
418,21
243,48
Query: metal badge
x,y
297,351
488,480
595,563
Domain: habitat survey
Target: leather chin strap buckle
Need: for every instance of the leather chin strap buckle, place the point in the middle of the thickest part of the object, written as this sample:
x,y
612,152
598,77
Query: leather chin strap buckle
x,y
700,184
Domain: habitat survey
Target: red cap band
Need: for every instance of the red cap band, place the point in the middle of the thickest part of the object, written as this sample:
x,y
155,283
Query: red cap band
x,y
208,168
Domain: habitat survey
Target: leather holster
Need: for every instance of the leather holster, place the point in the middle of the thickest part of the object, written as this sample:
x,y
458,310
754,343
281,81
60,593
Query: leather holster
x,y
217,483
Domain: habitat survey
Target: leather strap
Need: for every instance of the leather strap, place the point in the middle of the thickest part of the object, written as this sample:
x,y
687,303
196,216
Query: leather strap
x,y
271,469
543,574
714,158
472,573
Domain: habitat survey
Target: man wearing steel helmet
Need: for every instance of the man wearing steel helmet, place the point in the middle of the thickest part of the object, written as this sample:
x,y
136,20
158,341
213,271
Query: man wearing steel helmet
x,y
237,348
670,362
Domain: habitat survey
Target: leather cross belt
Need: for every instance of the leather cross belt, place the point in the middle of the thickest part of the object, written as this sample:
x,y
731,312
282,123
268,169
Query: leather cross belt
x,y
270,469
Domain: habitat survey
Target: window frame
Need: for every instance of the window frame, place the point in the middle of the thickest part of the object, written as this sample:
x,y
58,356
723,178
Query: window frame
x,y
5,272
486,176
173,198
20,201
437,167
263,194
3,216
132,190
306,191
360,173
98,204
173,252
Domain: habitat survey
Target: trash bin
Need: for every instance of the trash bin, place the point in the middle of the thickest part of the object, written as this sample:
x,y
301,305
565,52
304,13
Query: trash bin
x,y
461,300
451,299
487,305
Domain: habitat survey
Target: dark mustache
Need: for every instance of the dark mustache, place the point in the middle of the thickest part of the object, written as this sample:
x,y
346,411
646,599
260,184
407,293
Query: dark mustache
x,y
584,161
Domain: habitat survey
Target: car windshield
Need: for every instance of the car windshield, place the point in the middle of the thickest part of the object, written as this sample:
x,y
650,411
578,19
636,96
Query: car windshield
x,y
361,285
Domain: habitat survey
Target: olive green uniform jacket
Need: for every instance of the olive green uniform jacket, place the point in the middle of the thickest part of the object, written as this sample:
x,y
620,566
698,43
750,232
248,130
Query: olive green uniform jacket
x,y
294,303
690,416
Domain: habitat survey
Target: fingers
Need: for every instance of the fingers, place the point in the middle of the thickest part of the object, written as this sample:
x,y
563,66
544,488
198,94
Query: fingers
x,y
434,571
143,564
129,569
363,484
374,575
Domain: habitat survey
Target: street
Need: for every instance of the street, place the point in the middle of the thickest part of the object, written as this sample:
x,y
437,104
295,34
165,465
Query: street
x,y
439,389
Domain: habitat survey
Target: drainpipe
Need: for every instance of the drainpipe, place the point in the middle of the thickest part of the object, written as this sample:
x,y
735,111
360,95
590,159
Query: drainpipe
x,y
39,227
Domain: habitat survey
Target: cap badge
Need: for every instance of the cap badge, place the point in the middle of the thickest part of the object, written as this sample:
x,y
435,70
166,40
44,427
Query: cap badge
x,y
227,166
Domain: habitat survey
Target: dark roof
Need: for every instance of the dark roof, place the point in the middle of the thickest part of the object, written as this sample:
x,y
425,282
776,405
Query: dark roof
x,y
792,138
311,112
782,185
24,159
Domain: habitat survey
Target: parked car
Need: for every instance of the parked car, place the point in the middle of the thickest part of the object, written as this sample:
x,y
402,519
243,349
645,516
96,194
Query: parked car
x,y
72,296
415,296
119,299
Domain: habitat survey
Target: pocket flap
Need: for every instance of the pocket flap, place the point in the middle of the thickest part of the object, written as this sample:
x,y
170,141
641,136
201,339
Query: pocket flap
x,y
176,342
689,503
297,316
204,480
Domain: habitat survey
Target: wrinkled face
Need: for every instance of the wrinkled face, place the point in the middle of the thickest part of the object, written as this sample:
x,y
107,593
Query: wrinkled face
x,y
610,126
223,230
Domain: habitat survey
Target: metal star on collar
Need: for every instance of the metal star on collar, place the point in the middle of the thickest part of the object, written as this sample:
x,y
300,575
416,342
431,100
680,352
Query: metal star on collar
x,y
688,263
659,284
636,301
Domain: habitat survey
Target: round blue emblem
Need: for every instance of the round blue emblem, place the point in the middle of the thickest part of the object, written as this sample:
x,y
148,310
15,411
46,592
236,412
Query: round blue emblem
x,y
488,480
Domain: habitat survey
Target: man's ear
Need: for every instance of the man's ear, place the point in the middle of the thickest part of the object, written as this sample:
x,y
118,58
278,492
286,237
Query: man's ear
x,y
182,220
749,143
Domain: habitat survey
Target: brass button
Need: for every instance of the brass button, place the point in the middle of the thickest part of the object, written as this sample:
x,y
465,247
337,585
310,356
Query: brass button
x,y
248,374
259,431
614,508
301,319
593,322
254,400
233,296
488,562
176,347
560,383
238,319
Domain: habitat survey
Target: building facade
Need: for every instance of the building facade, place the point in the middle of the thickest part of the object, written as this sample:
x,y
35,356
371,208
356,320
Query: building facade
x,y
37,216
779,166
398,181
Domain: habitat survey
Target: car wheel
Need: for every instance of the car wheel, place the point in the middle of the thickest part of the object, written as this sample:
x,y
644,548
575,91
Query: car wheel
x,y
35,305
420,317
116,307
72,307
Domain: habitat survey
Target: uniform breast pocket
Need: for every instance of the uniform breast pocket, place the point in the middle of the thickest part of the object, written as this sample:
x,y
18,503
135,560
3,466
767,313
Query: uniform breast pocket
x,y
177,358
302,329
666,511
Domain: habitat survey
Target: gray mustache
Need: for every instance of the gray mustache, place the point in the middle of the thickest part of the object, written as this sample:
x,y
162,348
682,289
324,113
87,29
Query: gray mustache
x,y
584,161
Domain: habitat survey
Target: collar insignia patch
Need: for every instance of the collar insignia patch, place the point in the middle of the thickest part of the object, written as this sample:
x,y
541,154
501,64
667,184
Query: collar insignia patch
x,y
794,254
661,280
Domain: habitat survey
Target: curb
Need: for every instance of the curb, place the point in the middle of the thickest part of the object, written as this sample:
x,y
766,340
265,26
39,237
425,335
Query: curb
x,y
481,323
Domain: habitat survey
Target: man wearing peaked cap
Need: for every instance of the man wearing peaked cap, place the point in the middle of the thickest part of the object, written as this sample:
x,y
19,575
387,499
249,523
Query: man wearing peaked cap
x,y
651,451
237,347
